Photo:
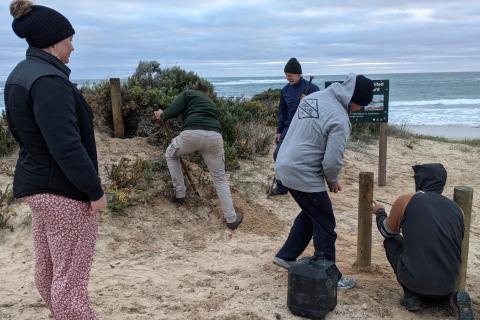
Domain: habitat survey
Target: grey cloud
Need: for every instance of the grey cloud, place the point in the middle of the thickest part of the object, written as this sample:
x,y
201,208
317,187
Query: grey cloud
x,y
226,37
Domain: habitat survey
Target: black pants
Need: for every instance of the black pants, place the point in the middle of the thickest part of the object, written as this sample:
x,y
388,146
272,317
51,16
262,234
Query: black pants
x,y
280,187
393,249
315,220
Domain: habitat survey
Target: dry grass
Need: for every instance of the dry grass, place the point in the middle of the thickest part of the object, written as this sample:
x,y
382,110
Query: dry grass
x,y
131,182
6,212
7,143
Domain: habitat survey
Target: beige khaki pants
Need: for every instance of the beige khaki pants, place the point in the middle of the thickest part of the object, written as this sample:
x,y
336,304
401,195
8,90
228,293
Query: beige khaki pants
x,y
210,146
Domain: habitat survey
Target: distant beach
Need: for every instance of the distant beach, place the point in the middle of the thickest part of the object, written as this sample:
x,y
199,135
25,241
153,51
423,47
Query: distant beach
x,y
449,132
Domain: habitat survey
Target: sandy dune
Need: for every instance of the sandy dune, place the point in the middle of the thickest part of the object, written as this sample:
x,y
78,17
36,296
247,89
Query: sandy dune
x,y
161,261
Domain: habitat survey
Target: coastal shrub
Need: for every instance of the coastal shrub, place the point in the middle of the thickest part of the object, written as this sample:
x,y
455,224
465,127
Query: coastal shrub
x,y
152,87
6,212
149,88
269,101
7,143
131,182
253,138
98,97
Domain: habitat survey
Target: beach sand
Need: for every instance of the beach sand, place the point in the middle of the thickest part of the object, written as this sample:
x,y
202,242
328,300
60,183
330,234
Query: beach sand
x,y
162,261
449,132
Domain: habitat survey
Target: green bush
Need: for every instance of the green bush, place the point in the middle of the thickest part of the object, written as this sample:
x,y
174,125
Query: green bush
x,y
268,95
151,87
269,101
148,89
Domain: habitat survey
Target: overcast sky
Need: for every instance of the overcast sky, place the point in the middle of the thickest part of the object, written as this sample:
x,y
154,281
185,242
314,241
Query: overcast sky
x,y
257,37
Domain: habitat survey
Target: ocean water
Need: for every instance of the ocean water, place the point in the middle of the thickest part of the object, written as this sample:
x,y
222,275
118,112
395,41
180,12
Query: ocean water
x,y
415,99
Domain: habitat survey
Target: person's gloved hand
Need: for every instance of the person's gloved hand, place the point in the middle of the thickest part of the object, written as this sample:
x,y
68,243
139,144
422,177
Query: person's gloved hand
x,y
158,113
376,207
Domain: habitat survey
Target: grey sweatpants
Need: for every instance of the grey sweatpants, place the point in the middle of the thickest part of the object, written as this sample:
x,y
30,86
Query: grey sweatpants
x,y
210,146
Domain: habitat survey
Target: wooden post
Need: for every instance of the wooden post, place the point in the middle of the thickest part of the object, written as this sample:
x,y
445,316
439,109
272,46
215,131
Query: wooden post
x,y
116,96
364,236
463,196
382,158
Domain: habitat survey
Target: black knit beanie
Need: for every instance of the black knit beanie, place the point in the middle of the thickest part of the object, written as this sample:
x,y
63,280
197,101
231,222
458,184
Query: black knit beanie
x,y
363,93
293,66
41,26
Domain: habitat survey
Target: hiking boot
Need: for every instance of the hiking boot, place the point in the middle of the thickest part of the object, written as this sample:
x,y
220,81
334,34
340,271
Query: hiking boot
x,y
346,283
462,305
411,302
234,225
176,200
276,192
282,263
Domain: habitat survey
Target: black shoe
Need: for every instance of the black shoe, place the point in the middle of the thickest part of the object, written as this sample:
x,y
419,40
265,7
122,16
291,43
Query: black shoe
x,y
462,305
276,192
234,225
177,200
412,303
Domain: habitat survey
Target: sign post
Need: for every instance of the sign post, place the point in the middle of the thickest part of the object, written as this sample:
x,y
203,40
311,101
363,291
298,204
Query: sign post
x,y
376,112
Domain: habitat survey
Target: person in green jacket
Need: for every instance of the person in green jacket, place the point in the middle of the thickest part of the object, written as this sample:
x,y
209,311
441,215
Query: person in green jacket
x,y
201,132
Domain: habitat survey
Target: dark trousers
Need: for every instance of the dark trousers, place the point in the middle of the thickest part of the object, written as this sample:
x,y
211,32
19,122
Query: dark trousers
x,y
315,220
393,249
280,187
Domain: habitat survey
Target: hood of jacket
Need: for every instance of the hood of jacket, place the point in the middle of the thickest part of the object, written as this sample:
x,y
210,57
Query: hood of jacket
x,y
343,91
430,177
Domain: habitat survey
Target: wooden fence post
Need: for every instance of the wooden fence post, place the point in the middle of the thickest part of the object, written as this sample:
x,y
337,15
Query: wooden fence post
x,y
382,157
364,236
116,96
463,196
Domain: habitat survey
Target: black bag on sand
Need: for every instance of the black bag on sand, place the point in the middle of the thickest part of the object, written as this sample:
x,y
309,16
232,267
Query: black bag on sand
x,y
312,287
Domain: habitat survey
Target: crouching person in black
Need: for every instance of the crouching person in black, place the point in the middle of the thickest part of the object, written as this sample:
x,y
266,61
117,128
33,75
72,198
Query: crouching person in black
x,y
423,236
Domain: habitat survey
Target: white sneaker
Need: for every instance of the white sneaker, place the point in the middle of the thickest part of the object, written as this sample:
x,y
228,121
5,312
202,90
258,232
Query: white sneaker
x,y
346,283
282,263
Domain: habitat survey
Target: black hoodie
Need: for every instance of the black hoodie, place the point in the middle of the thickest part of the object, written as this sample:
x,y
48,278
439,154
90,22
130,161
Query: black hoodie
x,y
432,228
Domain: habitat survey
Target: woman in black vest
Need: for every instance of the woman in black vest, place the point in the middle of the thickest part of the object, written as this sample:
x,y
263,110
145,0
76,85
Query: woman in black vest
x,y
57,168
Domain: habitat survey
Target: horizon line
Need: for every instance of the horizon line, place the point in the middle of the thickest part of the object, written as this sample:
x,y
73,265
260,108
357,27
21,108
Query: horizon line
x,y
3,79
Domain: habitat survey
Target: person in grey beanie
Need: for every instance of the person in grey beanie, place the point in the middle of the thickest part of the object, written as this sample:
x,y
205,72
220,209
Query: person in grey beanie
x,y
57,167
309,163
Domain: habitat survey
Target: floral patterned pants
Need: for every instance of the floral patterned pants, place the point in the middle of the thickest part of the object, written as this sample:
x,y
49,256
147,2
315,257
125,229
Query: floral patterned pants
x,y
64,236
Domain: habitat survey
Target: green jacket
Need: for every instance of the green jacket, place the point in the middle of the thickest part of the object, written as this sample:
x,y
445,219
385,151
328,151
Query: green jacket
x,y
198,111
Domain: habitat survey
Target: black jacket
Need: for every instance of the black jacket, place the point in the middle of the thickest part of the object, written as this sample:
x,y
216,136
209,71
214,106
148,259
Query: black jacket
x,y
52,123
432,227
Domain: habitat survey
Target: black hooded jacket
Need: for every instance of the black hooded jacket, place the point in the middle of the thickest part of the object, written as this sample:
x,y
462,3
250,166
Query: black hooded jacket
x,y
432,228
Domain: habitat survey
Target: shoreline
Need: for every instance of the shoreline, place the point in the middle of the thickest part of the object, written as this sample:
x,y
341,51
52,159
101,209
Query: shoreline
x,y
451,132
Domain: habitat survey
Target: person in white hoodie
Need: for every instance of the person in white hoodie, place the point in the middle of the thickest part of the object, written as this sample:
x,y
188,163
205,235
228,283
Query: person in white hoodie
x,y
310,160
